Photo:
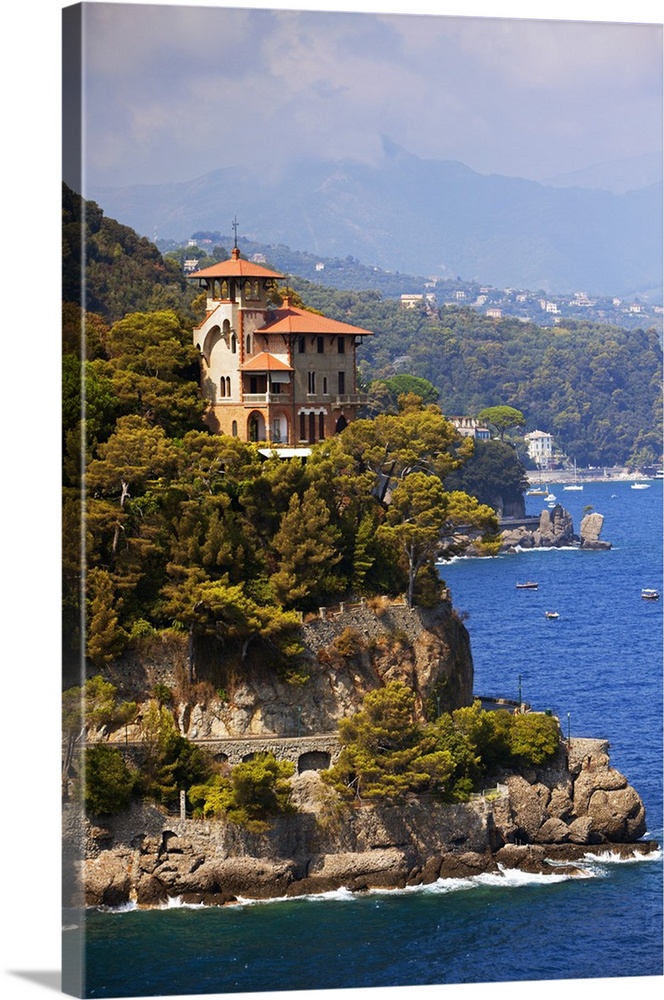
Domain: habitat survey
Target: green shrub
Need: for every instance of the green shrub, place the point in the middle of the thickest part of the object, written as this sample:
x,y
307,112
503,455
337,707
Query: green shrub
x,y
534,737
109,783
140,629
255,791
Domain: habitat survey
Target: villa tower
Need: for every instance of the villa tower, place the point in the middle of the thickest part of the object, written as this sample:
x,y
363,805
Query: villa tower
x,y
282,375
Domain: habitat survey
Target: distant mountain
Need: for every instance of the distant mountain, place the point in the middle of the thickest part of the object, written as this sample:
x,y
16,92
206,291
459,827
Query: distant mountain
x,y
617,176
433,217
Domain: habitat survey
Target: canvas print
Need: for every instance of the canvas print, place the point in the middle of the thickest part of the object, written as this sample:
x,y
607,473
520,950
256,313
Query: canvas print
x,y
362,500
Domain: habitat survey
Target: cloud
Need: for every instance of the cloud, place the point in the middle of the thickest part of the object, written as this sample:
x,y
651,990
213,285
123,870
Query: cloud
x,y
174,92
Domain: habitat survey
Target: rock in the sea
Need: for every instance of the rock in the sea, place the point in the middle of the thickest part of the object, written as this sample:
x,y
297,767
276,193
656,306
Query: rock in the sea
x,y
556,528
590,530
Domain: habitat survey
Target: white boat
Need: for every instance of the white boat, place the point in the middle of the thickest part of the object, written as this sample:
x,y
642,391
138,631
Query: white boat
x,y
650,595
551,614
574,485
550,498
640,486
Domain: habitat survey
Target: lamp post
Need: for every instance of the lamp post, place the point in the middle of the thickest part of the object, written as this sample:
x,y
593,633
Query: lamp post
x,y
299,720
520,698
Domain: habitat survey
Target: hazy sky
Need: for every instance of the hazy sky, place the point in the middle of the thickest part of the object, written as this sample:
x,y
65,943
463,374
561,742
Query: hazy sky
x,y
173,91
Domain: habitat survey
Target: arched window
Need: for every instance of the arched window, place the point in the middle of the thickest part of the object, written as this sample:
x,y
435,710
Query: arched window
x,y
222,387
248,344
303,427
224,289
228,385
234,344
234,428
321,426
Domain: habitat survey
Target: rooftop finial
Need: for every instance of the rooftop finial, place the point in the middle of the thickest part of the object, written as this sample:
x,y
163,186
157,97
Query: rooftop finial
x,y
234,226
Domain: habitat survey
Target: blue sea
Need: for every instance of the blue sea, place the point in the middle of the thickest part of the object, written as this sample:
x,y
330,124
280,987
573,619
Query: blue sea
x,y
598,667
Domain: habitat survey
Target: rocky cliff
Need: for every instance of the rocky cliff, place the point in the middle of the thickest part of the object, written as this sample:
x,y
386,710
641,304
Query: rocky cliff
x,y
346,652
536,820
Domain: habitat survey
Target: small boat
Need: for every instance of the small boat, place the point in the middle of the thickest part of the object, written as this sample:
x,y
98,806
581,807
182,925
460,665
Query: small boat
x,y
550,498
650,595
640,486
541,491
551,614
529,585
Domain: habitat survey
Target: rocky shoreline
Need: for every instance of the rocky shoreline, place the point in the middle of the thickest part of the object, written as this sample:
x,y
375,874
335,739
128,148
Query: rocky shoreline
x,y
543,820
556,530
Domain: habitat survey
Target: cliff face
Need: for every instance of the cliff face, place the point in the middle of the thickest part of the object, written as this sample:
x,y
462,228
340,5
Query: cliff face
x,y
344,657
558,813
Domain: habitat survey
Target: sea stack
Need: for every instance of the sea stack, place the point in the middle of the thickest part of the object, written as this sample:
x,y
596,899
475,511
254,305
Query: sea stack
x,y
590,531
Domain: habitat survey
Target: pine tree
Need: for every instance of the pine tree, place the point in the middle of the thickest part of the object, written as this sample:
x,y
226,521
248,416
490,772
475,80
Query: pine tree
x,y
105,637
306,546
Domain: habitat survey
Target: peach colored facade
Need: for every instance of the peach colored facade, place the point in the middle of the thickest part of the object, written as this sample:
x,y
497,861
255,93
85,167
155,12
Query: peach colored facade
x,y
284,376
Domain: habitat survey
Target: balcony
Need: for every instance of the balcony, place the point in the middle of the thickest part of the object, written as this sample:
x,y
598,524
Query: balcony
x,y
266,398
350,399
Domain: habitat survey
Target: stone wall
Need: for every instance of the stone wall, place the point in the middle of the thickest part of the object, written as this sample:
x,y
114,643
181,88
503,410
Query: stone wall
x,y
306,752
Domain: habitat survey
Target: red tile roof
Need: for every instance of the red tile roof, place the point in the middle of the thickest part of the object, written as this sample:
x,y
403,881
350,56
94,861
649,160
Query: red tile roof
x,y
265,362
235,267
290,319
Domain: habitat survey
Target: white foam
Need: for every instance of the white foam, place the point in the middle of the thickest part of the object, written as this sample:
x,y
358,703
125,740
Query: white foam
x,y
124,908
176,903
614,858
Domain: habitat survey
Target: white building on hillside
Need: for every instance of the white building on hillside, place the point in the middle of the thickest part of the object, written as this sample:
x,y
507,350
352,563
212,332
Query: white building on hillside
x,y
540,448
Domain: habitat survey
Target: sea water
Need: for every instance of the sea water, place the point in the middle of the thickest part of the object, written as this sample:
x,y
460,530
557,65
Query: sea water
x,y
598,667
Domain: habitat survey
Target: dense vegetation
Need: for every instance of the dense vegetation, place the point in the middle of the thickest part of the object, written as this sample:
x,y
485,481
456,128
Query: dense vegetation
x,y
124,272
596,388
387,753
201,533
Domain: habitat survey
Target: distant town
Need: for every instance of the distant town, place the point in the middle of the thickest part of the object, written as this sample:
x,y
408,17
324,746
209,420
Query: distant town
x,y
431,292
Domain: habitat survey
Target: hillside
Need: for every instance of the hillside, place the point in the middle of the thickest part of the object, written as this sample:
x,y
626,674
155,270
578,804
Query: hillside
x,y
124,272
596,388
